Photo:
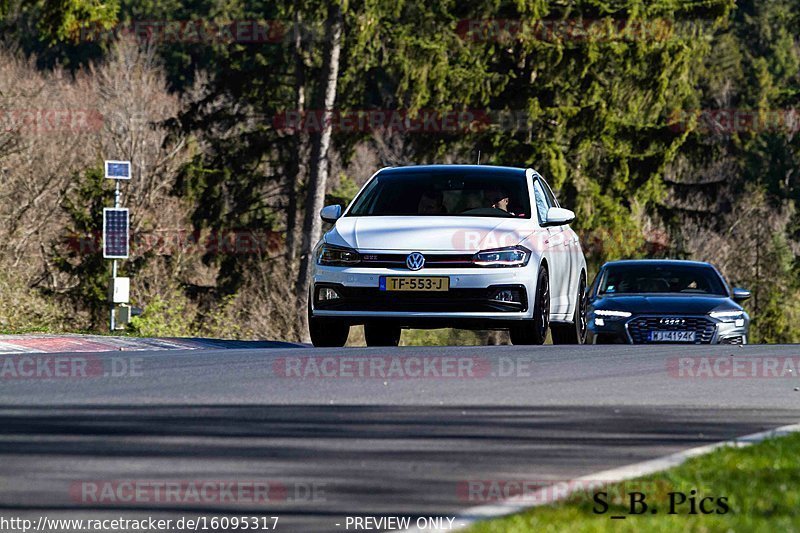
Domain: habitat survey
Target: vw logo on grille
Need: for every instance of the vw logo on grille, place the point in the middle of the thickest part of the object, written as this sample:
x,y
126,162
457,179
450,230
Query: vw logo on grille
x,y
415,261
672,321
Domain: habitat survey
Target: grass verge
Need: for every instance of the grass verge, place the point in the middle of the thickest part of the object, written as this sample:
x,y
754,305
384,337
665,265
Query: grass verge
x,y
761,484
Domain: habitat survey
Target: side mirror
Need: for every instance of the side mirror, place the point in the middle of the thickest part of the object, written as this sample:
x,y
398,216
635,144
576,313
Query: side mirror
x,y
740,295
331,213
557,216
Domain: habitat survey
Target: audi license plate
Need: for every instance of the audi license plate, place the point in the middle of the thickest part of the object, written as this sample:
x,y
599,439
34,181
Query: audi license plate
x,y
417,283
672,336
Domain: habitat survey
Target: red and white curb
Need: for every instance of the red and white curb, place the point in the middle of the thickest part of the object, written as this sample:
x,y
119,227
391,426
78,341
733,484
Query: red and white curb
x,y
30,344
544,496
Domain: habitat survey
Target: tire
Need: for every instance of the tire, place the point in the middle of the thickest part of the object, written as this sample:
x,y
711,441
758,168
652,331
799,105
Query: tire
x,y
534,330
381,334
327,332
574,333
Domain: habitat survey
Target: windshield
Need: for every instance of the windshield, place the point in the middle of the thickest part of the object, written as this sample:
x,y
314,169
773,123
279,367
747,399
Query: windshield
x,y
427,194
649,278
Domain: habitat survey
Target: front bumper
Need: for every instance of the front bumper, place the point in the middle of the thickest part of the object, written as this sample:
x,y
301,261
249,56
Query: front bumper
x,y
469,302
635,330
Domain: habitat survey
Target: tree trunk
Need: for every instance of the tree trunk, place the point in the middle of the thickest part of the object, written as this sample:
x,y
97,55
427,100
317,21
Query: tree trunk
x,y
295,166
318,171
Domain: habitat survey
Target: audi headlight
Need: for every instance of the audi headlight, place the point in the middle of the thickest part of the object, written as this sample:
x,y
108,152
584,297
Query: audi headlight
x,y
611,314
737,317
513,256
337,256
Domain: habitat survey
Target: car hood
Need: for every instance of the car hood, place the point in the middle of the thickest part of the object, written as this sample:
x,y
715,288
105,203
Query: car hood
x,y
661,304
428,233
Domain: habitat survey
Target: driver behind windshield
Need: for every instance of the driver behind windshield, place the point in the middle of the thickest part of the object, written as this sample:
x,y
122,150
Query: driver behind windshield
x,y
499,199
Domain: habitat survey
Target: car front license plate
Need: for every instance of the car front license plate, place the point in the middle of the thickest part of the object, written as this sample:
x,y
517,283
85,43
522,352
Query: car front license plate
x,y
672,336
417,283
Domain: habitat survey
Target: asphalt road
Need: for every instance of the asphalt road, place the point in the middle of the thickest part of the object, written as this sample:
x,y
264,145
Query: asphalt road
x,y
356,432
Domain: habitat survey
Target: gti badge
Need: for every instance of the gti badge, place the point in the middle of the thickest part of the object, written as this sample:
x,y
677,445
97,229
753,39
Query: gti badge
x,y
672,321
415,261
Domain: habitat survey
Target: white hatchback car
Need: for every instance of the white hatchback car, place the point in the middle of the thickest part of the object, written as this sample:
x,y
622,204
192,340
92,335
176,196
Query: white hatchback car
x,y
474,246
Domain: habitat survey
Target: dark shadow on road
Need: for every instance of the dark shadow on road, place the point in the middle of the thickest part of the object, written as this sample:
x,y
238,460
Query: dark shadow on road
x,y
369,459
239,345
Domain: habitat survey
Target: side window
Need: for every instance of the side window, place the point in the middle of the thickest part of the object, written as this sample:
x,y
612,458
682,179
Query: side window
x,y
541,201
551,198
596,285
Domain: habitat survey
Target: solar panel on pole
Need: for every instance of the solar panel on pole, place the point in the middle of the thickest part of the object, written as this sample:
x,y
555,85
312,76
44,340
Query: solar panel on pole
x,y
116,226
116,231
118,170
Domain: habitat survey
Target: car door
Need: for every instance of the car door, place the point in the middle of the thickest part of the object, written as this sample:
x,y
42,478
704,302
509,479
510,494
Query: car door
x,y
572,247
557,252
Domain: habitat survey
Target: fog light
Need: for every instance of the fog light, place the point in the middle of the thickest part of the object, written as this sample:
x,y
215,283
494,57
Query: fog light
x,y
504,295
739,322
599,322
326,294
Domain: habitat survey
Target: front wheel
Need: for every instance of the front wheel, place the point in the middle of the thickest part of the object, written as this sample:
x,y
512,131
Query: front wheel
x,y
381,335
534,330
327,332
574,333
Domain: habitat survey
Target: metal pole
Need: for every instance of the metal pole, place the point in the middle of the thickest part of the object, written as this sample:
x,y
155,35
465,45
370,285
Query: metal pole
x,y
114,264
113,277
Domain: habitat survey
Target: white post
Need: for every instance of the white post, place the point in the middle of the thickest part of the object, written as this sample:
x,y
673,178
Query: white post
x,y
113,277
114,265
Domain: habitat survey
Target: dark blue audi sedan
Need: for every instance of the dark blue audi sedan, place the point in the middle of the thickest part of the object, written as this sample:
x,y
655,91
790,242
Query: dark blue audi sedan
x,y
665,301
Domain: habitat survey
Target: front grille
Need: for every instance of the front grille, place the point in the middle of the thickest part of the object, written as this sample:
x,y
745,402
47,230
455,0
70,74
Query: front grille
x,y
639,328
431,261
454,300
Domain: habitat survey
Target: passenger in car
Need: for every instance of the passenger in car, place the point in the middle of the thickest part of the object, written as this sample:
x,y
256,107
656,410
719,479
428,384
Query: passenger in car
x,y
431,203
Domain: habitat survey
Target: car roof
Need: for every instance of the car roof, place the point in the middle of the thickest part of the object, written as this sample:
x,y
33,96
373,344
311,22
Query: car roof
x,y
655,262
447,169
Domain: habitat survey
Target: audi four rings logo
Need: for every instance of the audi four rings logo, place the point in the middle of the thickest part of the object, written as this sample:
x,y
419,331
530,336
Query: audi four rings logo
x,y
415,261
672,321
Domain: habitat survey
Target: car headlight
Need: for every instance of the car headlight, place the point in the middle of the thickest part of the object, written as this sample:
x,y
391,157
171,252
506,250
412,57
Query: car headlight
x,y
737,317
513,256
611,314
337,256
